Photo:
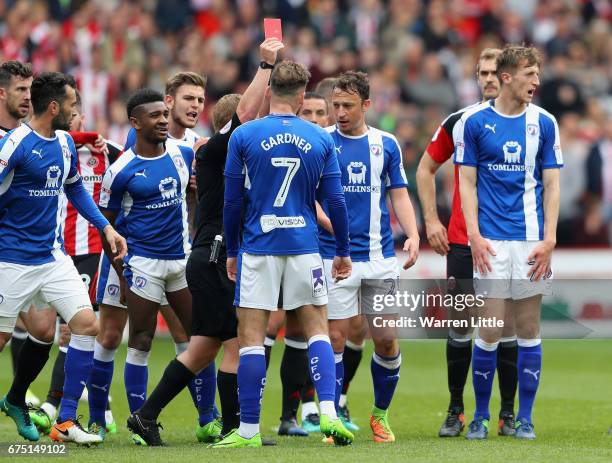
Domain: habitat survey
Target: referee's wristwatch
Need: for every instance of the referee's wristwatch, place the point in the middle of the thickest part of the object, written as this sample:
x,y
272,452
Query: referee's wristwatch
x,y
265,65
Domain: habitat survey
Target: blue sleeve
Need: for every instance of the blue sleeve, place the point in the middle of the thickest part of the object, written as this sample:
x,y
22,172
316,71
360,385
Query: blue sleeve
x,y
114,185
232,212
330,189
234,164
552,158
84,203
9,158
331,167
466,145
131,139
396,177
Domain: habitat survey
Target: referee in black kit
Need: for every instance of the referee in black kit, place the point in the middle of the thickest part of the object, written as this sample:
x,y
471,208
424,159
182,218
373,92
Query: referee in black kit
x,y
214,320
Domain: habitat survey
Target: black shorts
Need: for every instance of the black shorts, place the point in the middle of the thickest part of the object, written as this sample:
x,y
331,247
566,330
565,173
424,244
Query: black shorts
x,y
459,269
213,314
87,266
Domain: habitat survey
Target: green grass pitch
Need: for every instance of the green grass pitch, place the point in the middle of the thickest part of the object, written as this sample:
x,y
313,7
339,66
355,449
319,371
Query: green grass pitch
x,y
572,414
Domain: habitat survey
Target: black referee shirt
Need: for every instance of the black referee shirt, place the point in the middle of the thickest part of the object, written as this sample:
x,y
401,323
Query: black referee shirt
x,y
210,164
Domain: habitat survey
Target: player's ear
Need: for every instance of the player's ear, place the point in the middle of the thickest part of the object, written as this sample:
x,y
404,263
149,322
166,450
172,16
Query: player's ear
x,y
2,93
169,101
268,93
135,122
54,108
365,105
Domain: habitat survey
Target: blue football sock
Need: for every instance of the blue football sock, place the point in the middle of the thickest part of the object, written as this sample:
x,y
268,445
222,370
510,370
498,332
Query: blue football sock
x,y
251,383
339,377
136,377
205,384
77,368
529,365
483,370
99,382
385,376
323,372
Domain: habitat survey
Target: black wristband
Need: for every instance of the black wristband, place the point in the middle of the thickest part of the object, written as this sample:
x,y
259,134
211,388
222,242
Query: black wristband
x,y
265,65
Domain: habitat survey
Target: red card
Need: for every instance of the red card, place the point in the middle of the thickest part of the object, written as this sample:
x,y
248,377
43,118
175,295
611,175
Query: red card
x,y
273,29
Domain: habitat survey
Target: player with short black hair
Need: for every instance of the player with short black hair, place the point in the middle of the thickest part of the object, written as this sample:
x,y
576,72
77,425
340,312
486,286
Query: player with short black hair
x,y
38,166
148,187
214,321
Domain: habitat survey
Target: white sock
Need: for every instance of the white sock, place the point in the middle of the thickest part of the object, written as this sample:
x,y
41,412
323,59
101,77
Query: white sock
x,y
108,417
309,408
248,430
49,410
342,401
328,408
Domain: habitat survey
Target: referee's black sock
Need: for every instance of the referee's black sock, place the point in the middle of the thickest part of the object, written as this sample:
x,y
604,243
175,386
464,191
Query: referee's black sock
x,y
507,352
351,358
176,377
56,388
17,341
293,373
458,358
227,385
268,343
34,355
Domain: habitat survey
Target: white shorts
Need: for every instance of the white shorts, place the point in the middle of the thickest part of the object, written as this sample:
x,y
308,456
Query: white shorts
x,y
509,278
153,278
108,290
344,295
260,278
56,284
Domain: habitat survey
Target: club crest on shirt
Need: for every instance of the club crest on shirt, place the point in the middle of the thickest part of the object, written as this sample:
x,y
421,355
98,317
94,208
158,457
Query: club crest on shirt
x,y
66,152
532,129
376,149
178,162
92,162
318,281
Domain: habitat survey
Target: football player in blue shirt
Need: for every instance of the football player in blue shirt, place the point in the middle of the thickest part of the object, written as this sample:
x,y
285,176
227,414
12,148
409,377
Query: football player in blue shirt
x,y
371,167
147,185
37,166
277,164
509,155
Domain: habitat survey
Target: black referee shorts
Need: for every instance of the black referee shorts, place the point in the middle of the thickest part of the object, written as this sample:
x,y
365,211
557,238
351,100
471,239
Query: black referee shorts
x,y
213,313
459,269
87,266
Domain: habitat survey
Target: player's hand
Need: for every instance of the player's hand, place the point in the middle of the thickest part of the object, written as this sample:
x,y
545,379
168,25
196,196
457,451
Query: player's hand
x,y
481,249
200,142
437,237
539,260
100,144
411,246
268,50
232,268
341,268
117,243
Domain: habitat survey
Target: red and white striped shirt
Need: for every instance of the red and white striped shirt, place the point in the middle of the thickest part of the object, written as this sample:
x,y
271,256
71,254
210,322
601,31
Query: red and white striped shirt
x,y
80,237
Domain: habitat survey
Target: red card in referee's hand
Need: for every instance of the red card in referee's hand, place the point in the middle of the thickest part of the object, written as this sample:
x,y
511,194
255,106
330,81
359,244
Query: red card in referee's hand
x,y
273,29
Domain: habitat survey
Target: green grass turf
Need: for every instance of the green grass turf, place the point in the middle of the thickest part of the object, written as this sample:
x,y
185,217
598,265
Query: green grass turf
x,y
572,414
